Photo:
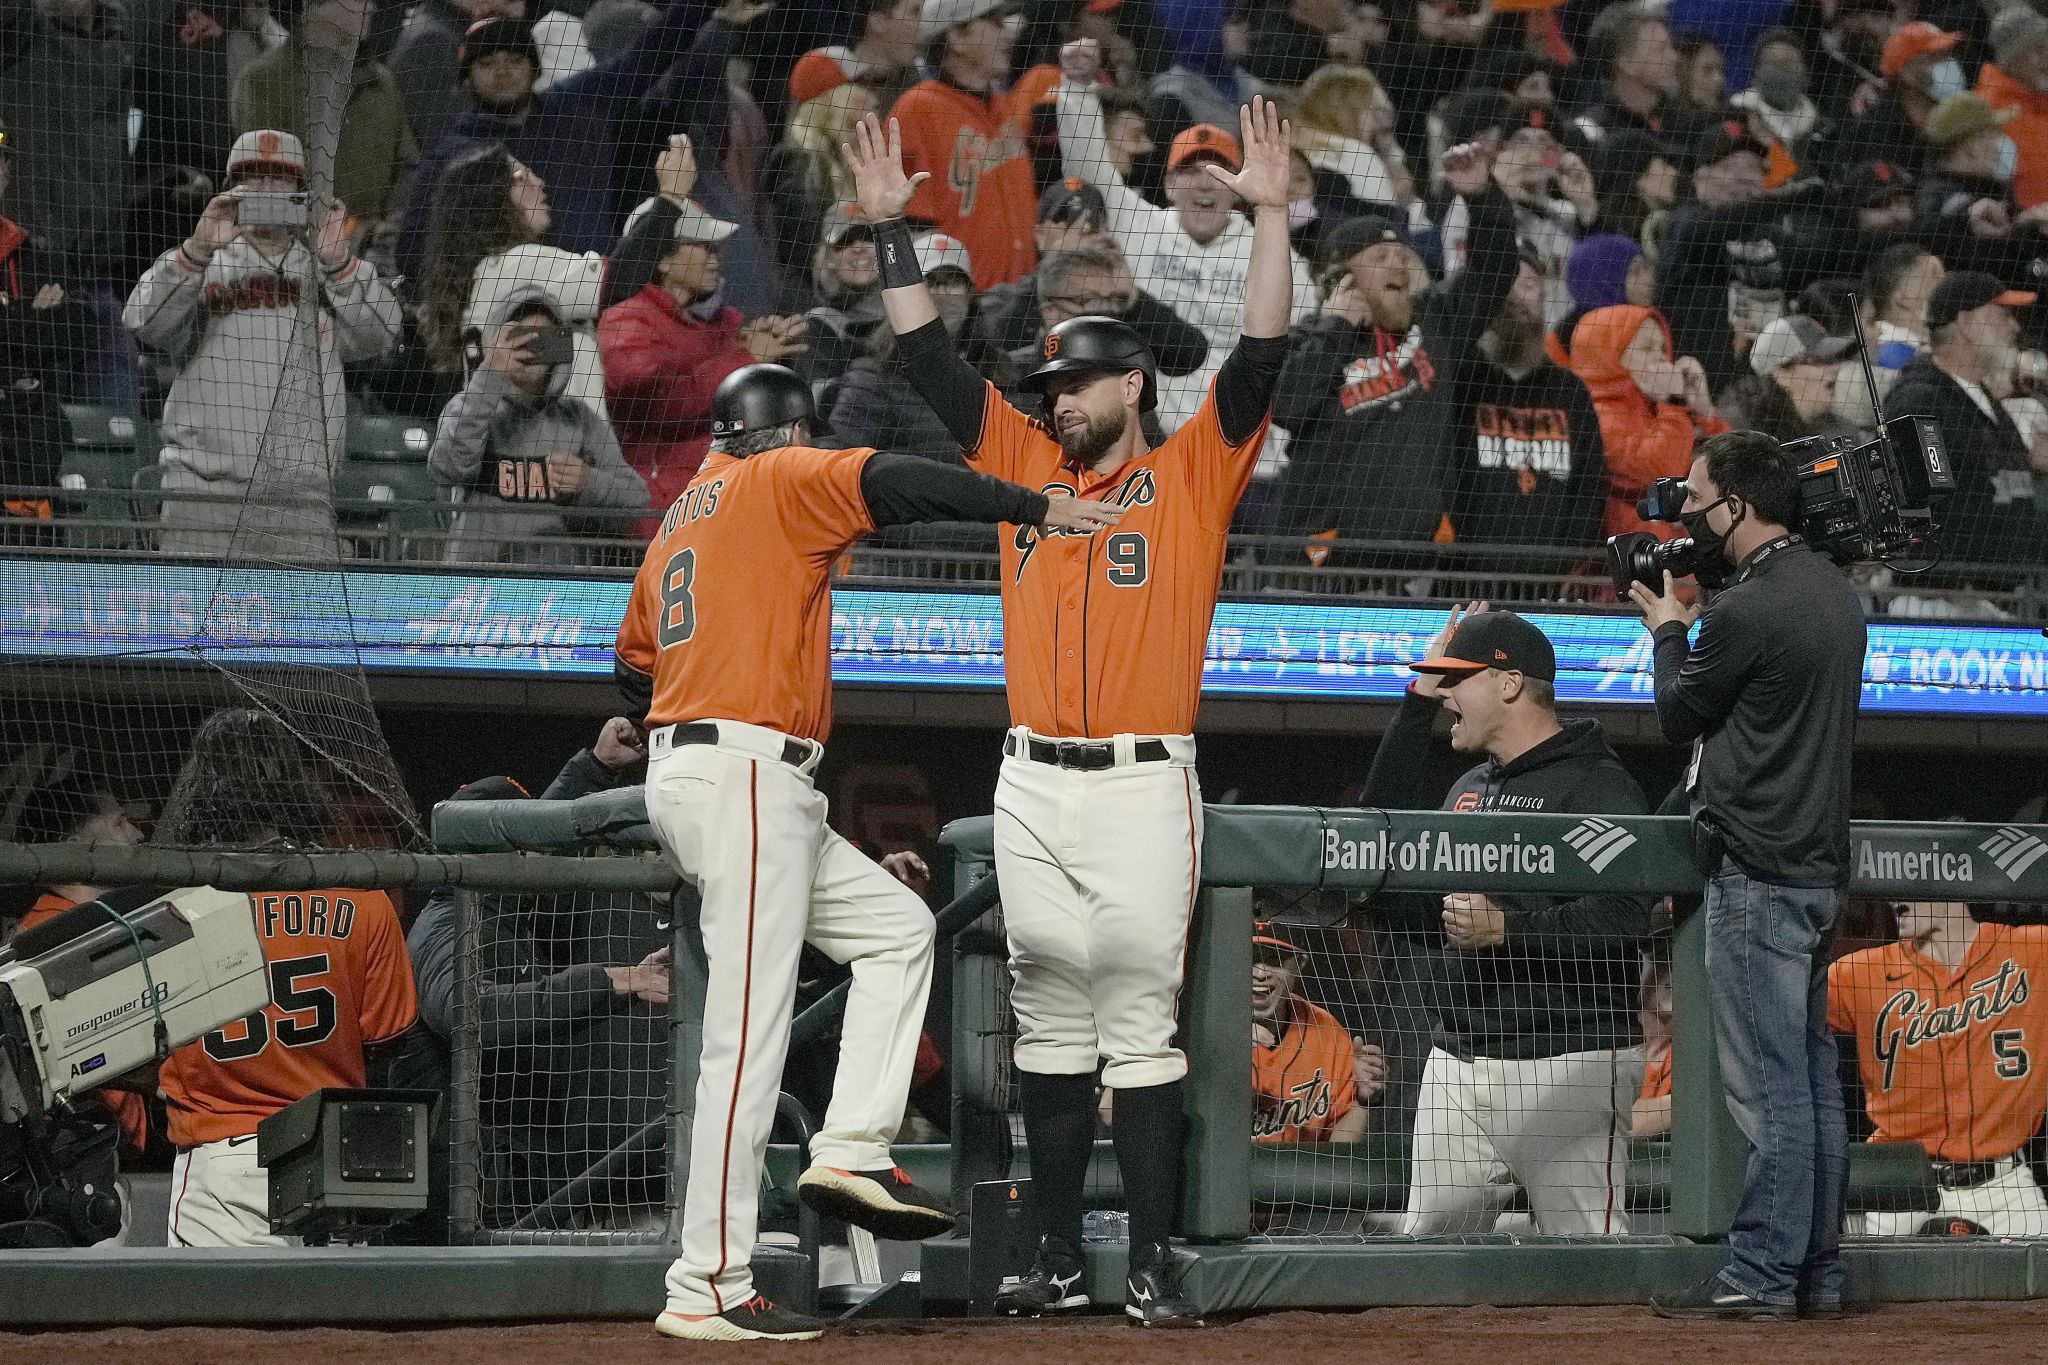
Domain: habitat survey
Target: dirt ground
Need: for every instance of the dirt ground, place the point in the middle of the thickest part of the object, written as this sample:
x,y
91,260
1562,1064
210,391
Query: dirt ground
x,y
1951,1331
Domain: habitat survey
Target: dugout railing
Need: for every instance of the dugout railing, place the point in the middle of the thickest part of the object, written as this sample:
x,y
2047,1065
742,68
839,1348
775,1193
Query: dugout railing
x,y
1233,1268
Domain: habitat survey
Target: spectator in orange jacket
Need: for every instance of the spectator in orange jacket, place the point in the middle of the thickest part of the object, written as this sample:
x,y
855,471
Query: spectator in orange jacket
x,y
964,130
2017,79
1652,405
666,348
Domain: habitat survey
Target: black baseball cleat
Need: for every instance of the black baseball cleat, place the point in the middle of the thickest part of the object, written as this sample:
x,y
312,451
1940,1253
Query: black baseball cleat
x,y
755,1320
1152,1293
885,1201
1052,1285
1711,1298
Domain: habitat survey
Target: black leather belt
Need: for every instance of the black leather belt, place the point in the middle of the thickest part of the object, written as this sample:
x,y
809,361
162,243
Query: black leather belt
x,y
1086,755
795,752
1967,1175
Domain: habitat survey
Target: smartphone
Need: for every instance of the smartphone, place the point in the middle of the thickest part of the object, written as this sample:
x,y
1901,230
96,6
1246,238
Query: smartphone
x,y
549,343
272,209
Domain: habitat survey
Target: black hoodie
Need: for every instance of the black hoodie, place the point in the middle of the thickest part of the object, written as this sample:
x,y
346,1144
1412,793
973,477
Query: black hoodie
x,y
1567,976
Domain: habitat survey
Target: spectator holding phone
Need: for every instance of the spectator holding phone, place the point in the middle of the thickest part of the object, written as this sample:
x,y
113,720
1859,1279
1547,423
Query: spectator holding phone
x,y
225,307
522,454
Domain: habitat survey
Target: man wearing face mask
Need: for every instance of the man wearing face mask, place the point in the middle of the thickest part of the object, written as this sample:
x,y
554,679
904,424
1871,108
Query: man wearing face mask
x,y
1992,516
1920,70
1965,199
1767,698
1777,108
2017,79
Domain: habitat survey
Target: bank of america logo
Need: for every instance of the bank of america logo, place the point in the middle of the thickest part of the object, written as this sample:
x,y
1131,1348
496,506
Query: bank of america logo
x,y
1599,842
2014,851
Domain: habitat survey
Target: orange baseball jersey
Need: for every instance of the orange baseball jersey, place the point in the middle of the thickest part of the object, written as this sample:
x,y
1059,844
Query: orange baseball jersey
x,y
1105,634
1952,1060
48,906
980,189
1657,1074
731,614
1307,1081
340,981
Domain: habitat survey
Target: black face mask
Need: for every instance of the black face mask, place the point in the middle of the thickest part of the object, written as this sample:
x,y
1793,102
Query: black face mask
x,y
1713,544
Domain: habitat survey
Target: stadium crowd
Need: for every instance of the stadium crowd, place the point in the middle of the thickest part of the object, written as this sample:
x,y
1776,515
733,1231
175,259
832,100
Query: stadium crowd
x,y
1540,245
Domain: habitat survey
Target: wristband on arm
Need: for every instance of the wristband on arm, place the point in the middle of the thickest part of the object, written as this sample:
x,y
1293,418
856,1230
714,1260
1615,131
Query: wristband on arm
x,y
898,254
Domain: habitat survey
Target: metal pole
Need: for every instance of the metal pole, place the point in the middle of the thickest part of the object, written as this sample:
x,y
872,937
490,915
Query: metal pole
x,y
1708,1154
1216,1192
465,1131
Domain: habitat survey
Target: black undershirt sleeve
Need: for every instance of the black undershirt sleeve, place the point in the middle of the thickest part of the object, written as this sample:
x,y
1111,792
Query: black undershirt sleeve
x,y
1245,386
948,384
901,488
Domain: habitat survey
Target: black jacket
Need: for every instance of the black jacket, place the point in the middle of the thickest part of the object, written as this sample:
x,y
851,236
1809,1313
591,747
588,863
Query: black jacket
x,y
1528,467
1566,977
1374,416
1720,265
1993,516
1769,693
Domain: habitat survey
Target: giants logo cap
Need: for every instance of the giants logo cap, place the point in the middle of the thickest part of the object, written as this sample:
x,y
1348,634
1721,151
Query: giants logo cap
x,y
1494,639
1204,141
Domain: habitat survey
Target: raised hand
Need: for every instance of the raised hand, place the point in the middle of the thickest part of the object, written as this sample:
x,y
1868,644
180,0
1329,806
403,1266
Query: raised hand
x,y
1467,167
217,227
1064,512
1426,684
1266,137
675,169
879,180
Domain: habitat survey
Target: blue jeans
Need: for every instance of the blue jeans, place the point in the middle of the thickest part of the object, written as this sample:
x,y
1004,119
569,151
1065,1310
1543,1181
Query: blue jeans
x,y
1768,972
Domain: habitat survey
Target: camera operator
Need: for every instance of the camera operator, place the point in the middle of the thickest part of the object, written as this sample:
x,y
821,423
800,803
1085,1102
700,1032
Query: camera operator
x,y
1768,697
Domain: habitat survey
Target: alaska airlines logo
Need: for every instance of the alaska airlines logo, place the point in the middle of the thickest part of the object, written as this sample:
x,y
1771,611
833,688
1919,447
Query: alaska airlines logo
x,y
1908,1019
1598,842
1140,490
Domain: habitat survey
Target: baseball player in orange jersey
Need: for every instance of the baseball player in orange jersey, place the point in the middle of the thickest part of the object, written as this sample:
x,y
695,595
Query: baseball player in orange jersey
x,y
726,651
1311,1080
1098,818
1951,1023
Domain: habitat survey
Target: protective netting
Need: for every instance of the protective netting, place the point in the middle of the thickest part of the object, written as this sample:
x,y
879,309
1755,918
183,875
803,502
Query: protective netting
x,y
560,1064
1539,248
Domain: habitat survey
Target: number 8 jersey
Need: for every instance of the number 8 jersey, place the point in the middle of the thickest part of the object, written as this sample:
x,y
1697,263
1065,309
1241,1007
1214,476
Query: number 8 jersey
x,y
1105,634
340,982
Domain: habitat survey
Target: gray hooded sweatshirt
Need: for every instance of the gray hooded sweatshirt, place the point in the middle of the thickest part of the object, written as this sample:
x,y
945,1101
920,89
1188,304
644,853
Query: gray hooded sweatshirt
x,y
491,450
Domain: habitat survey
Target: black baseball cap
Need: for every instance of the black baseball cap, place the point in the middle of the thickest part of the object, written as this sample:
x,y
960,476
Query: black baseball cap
x,y
1072,200
1494,639
1966,290
1354,235
1871,184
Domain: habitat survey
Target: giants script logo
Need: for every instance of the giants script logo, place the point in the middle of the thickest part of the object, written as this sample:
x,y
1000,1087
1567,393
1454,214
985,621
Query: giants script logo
x,y
1302,1105
1907,1018
1137,491
976,154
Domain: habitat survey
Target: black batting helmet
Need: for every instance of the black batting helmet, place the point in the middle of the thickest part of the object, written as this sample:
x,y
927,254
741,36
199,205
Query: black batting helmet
x,y
758,396
1098,345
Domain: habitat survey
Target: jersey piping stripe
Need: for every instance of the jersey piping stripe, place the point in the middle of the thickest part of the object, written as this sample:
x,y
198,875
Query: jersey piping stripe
x,y
178,1208
1194,890
1613,1127
739,1071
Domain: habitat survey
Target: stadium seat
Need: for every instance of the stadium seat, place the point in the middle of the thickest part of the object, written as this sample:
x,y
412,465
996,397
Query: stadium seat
x,y
415,499
377,439
107,445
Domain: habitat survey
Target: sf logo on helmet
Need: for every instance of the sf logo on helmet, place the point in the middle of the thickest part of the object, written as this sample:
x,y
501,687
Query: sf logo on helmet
x,y
1052,347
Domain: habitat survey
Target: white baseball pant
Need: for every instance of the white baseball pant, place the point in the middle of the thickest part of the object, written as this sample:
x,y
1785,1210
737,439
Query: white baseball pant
x,y
1556,1126
220,1197
2010,1204
1099,871
748,829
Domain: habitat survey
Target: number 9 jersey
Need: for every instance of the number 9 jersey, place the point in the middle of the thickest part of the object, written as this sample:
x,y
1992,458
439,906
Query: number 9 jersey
x,y
340,982
1105,634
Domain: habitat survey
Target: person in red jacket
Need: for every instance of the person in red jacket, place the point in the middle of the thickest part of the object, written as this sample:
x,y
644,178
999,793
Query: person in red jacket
x,y
666,348
1652,405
